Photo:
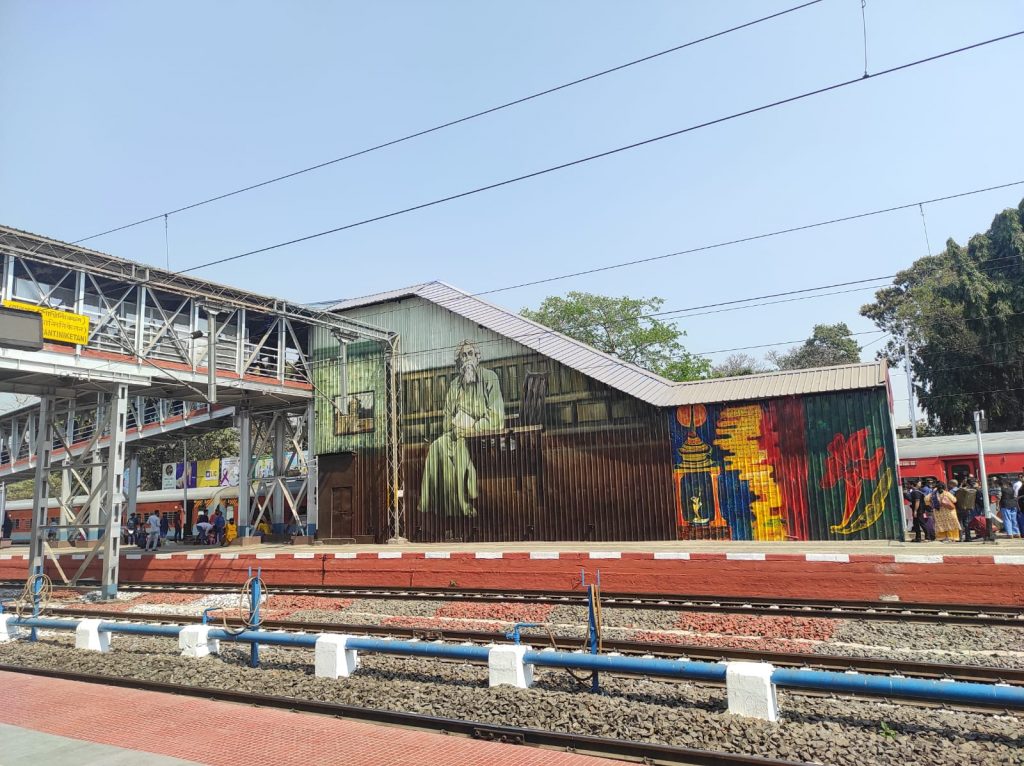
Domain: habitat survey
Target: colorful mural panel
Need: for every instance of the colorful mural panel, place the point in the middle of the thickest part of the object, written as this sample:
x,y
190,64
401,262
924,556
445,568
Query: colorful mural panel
x,y
802,468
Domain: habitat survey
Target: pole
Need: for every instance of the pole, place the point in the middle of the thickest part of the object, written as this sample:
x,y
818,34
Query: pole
x,y
978,415
184,487
211,357
910,390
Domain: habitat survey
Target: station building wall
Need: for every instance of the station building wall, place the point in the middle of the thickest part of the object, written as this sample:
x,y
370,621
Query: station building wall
x,y
548,453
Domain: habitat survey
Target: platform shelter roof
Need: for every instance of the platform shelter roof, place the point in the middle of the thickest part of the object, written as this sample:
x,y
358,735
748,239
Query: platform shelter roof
x,y
623,376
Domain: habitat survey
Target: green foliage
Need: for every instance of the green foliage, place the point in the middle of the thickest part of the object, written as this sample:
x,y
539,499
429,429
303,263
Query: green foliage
x,y
829,345
888,731
623,328
222,443
22,490
962,313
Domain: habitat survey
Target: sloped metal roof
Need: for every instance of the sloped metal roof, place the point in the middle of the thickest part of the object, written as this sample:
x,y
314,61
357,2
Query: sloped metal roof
x,y
623,376
959,444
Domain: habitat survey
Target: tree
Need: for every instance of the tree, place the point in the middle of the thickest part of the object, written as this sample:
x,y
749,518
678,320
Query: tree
x,y
961,313
829,345
738,364
622,327
221,443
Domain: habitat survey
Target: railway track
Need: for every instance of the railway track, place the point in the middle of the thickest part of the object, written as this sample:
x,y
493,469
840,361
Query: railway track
x,y
948,614
637,752
929,670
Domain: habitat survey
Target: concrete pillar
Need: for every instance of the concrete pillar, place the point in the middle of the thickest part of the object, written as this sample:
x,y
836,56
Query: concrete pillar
x,y
132,490
195,641
88,636
8,630
505,666
333,658
750,690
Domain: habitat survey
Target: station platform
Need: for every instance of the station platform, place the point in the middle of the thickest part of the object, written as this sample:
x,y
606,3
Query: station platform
x,y
966,573
49,720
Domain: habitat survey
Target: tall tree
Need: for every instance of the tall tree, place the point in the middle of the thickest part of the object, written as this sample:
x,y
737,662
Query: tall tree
x,y
623,327
962,314
829,345
738,364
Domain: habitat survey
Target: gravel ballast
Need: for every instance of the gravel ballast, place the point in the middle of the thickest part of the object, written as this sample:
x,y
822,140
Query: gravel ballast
x,y
815,729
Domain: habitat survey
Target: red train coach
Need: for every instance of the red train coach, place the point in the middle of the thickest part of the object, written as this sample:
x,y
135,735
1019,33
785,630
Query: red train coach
x,y
955,457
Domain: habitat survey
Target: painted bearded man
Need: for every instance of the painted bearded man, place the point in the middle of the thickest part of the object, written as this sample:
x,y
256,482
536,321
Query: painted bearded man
x,y
473,405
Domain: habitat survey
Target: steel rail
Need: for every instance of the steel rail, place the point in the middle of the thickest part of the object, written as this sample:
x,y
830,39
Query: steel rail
x,y
956,614
590,745
870,665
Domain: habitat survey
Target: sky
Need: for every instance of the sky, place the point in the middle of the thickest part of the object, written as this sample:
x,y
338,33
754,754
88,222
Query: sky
x,y
116,111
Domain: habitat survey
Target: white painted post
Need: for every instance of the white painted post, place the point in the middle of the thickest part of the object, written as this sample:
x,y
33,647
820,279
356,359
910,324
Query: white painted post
x,y
88,636
195,641
505,666
333,658
8,630
750,690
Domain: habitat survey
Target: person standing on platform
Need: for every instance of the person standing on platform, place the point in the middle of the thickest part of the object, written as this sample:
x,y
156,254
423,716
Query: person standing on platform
x,y
177,525
230,532
922,512
218,527
1008,510
947,527
8,527
966,499
165,527
153,532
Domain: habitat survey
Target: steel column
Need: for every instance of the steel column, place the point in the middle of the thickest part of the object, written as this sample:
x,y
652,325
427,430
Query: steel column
x,y
312,465
114,491
280,469
244,469
41,489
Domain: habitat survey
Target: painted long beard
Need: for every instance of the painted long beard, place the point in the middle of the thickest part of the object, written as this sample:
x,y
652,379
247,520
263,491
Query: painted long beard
x,y
468,374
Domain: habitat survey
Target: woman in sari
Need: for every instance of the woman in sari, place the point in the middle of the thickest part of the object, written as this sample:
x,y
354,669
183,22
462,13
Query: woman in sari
x,y
947,525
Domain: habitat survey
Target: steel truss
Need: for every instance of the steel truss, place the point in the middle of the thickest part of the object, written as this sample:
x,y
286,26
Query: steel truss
x,y
149,354
98,473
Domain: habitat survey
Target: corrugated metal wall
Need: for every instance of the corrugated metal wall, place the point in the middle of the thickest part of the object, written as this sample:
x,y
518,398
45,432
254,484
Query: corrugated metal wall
x,y
814,467
572,459
563,457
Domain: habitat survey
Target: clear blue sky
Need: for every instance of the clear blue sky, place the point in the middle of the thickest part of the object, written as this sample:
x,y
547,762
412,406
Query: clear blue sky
x,y
114,111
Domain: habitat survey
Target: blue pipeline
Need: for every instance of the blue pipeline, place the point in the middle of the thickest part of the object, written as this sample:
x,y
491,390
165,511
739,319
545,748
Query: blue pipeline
x,y
46,624
851,683
263,637
420,649
697,671
912,688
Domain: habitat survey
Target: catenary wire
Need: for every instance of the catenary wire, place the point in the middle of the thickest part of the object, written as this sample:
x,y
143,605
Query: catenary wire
x,y
607,153
727,243
458,121
542,331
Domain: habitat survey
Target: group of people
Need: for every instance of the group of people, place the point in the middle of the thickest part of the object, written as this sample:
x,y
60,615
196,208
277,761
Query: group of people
x,y
958,512
150,532
215,530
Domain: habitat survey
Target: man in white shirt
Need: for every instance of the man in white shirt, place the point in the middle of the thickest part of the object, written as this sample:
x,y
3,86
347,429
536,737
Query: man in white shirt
x,y
1017,484
153,531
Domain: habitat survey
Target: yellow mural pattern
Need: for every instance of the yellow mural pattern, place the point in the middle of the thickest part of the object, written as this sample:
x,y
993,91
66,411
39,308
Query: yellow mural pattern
x,y
739,431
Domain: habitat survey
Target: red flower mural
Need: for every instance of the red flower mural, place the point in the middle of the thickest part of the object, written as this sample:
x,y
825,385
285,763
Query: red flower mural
x,y
847,460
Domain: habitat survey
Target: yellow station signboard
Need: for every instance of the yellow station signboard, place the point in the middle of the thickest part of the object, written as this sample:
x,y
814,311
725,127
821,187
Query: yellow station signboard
x,y
61,326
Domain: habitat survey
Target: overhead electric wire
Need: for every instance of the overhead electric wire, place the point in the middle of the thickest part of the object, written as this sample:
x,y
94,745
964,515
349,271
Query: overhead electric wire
x,y
458,121
607,153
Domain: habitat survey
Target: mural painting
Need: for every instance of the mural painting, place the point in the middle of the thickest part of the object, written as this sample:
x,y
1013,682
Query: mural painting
x,y
767,470
353,414
473,406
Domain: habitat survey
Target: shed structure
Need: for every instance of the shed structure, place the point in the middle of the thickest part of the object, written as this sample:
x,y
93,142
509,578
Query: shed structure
x,y
509,431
